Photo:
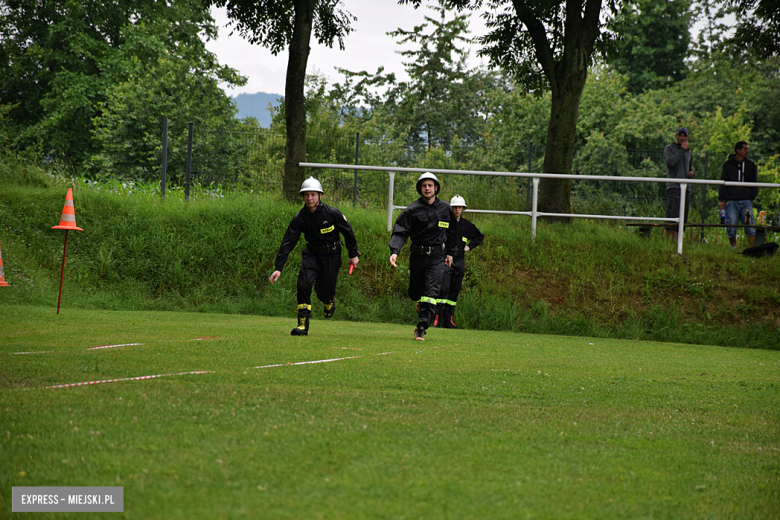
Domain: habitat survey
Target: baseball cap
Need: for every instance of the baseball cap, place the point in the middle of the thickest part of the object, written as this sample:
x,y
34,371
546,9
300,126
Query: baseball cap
x,y
681,130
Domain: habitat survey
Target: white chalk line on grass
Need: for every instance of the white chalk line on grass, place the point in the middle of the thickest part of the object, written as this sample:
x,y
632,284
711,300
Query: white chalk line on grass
x,y
308,362
139,378
90,348
316,361
198,372
114,346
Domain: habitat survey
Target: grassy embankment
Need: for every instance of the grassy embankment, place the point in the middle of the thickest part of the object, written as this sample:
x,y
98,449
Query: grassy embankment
x,y
214,254
469,424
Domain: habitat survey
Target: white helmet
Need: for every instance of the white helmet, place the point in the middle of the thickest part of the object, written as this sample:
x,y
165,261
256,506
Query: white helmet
x,y
312,184
457,200
424,176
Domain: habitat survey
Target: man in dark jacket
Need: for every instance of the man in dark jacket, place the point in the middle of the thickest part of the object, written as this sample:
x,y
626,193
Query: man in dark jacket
x,y
430,223
738,200
467,237
320,225
679,165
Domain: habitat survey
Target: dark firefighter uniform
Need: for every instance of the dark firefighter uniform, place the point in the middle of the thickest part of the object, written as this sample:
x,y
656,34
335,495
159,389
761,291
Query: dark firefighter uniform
x,y
466,234
432,232
322,255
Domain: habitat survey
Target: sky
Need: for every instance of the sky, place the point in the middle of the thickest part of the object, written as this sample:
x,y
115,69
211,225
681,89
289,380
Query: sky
x,y
366,48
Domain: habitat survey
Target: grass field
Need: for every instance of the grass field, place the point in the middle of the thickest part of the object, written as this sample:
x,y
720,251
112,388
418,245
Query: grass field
x,y
467,424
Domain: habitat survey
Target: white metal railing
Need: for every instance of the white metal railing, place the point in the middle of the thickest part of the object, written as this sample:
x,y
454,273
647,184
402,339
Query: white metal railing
x,y
534,213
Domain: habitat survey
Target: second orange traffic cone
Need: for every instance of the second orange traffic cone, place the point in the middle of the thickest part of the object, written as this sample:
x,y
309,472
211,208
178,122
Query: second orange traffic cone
x,y
3,283
67,222
68,219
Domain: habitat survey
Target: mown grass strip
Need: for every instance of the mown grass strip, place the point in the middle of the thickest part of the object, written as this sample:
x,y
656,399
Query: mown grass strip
x,y
468,424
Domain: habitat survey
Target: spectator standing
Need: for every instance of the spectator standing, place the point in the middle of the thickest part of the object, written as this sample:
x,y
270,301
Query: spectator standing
x,y
430,224
320,225
738,200
467,237
679,165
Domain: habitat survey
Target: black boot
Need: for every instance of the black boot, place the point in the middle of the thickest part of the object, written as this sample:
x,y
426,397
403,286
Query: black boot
x,y
438,320
450,315
303,323
444,317
329,309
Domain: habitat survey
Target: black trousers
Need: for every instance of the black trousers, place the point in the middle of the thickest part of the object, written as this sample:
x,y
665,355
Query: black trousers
x,y
452,281
673,206
322,270
425,276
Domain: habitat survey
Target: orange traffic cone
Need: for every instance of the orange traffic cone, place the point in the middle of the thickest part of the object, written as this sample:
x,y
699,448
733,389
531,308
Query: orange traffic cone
x,y
68,220
2,271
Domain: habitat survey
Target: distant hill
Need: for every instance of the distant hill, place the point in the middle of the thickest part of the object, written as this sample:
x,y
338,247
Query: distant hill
x,y
256,105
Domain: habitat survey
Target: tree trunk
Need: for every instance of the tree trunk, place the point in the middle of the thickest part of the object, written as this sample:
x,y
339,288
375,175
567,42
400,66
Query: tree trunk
x,y
567,75
555,194
294,99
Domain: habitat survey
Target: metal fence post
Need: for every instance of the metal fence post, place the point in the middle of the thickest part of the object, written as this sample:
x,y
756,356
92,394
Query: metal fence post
x,y
189,161
164,175
357,159
704,194
390,189
528,188
681,219
533,210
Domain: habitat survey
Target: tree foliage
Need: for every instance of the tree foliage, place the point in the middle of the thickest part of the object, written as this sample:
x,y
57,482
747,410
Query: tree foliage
x,y
128,130
723,75
271,23
61,59
444,104
535,41
95,90
280,24
654,42
546,43
758,26
441,101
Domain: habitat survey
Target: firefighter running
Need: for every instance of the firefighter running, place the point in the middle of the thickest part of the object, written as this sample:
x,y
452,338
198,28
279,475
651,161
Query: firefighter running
x,y
320,225
467,237
430,224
